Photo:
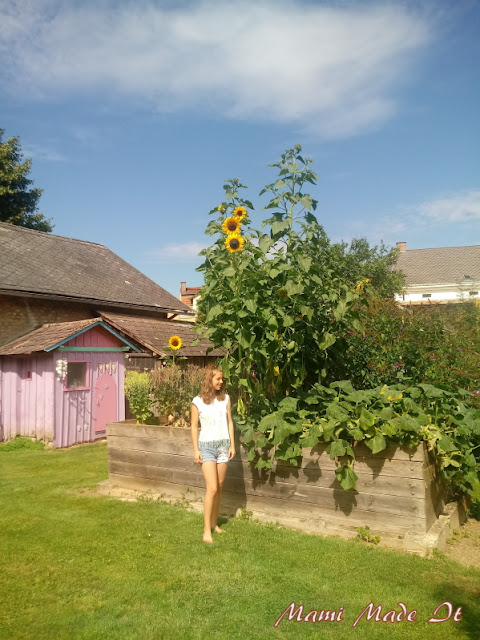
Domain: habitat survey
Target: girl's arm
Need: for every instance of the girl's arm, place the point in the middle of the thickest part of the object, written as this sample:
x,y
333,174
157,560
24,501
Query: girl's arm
x,y
231,449
194,427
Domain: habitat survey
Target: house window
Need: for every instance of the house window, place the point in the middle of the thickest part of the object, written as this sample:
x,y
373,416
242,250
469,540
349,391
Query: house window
x,y
473,293
467,277
426,295
77,375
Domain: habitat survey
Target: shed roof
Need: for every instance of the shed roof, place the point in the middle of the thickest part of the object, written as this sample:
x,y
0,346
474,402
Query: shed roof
x,y
43,263
447,265
154,333
50,336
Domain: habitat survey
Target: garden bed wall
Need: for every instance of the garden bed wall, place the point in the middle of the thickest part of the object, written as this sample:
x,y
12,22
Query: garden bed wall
x,y
399,491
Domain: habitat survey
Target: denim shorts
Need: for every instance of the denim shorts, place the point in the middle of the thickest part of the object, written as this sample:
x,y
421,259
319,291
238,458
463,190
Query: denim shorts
x,y
214,451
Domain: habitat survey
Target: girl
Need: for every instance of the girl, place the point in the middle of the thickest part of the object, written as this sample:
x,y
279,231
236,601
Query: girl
x,y
215,446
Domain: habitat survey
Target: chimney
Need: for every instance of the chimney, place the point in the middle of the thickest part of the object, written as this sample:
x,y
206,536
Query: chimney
x,y
402,246
183,288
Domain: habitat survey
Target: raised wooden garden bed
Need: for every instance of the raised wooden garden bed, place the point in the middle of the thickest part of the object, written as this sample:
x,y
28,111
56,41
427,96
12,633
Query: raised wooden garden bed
x,y
399,494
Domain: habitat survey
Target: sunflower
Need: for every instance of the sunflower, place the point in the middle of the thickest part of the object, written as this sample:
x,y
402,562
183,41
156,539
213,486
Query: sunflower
x,y
240,212
234,243
175,342
231,226
220,208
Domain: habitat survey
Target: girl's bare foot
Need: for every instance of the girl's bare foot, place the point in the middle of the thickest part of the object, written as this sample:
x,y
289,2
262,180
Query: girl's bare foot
x,y
219,529
207,537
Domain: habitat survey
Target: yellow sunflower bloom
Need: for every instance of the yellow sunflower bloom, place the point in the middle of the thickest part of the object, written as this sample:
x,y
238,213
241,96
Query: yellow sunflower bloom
x,y
234,243
276,371
175,342
231,226
220,208
240,212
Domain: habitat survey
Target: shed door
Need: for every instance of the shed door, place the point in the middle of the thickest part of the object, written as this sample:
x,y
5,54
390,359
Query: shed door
x,y
104,402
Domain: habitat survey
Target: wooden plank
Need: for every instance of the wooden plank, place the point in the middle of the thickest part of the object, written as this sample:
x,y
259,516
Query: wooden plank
x,y
392,451
371,466
345,500
274,509
367,483
146,431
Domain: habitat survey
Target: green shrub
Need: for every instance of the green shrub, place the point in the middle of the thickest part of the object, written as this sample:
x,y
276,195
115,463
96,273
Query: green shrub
x,y
434,345
173,389
342,416
138,389
21,442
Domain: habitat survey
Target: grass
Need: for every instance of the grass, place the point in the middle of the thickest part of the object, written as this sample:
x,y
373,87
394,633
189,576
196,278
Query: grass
x,y
81,567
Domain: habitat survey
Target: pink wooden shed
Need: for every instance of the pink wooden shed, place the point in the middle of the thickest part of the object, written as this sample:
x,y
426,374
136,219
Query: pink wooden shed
x,y
63,382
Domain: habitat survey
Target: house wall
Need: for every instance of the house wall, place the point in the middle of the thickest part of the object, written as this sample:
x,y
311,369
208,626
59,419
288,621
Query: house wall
x,y
27,403
19,315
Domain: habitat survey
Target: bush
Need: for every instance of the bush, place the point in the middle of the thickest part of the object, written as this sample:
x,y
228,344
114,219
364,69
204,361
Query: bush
x,y
138,389
438,346
342,416
173,389
21,442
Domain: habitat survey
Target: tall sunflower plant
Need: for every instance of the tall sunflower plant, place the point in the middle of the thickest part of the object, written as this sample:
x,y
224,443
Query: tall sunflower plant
x,y
274,300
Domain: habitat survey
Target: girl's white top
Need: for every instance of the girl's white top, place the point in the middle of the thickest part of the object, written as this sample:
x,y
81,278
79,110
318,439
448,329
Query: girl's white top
x,y
213,419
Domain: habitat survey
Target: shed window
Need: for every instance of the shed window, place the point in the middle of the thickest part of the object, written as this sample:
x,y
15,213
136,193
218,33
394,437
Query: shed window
x,y
77,375
426,295
473,293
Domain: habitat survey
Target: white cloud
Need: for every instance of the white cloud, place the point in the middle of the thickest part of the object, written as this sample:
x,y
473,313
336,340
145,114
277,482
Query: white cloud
x,y
176,252
438,213
43,153
333,68
459,207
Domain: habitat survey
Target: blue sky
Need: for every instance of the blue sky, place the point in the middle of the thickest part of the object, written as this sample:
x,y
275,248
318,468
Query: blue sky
x,y
135,112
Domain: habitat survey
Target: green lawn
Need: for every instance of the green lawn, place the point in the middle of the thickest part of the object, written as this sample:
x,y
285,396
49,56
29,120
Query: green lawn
x,y
82,567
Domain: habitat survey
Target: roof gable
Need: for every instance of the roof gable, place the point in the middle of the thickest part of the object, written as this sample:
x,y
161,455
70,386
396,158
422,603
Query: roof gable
x,y
53,336
47,264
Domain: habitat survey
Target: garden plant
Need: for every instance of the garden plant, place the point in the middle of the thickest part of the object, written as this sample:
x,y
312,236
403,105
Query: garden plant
x,y
288,305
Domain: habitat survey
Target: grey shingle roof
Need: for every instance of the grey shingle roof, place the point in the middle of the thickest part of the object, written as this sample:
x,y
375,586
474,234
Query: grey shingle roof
x,y
447,265
154,333
43,263
46,336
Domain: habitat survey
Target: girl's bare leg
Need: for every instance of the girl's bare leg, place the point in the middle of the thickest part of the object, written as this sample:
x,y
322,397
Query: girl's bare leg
x,y
221,472
209,470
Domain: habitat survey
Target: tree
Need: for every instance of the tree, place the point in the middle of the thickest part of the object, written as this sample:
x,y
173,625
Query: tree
x,y
18,199
360,260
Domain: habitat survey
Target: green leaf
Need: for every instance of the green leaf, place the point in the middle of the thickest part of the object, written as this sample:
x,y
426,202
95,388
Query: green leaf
x,y
265,243
279,226
287,321
306,202
336,449
251,304
446,445
327,340
367,419
293,288
288,404
215,311
305,263
377,443
347,477
306,311
229,272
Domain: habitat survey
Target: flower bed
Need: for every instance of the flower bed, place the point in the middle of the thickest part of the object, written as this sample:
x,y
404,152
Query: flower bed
x,y
399,493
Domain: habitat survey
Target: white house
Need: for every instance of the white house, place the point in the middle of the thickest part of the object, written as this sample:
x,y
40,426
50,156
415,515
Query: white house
x,y
445,275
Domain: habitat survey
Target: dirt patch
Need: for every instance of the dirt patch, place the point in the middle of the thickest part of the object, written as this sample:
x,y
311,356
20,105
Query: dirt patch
x,y
464,544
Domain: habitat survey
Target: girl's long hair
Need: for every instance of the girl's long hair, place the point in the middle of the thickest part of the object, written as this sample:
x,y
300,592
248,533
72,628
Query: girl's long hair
x,y
208,393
